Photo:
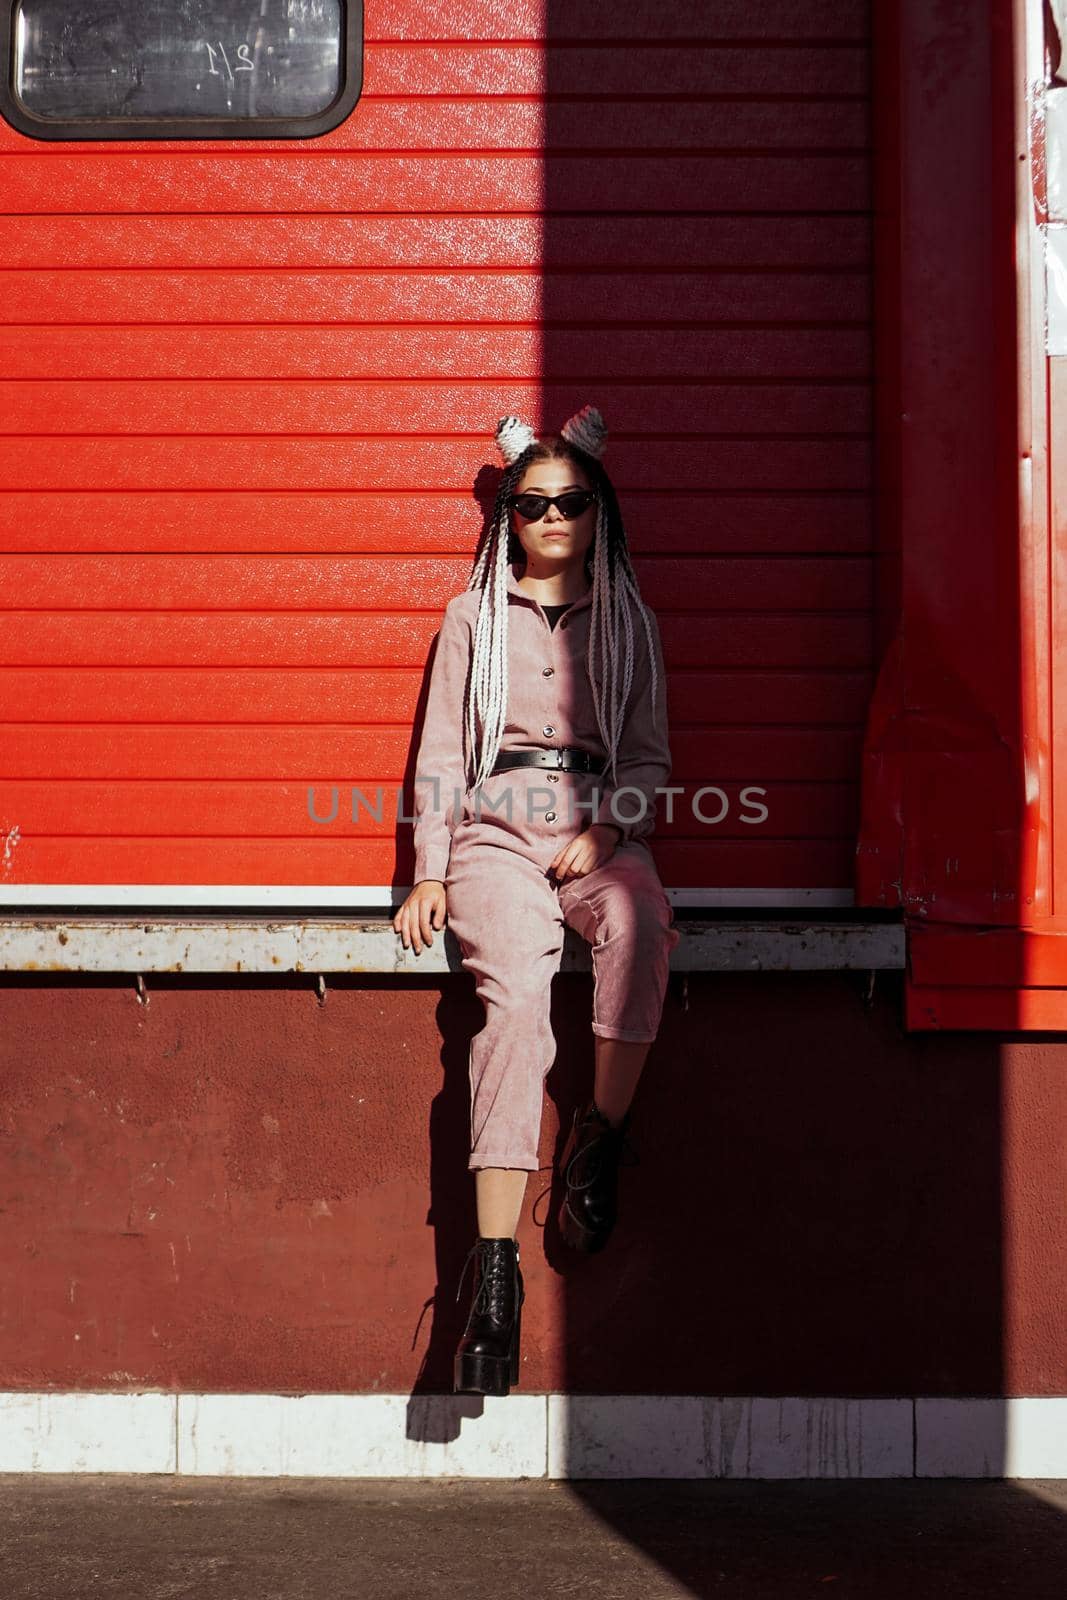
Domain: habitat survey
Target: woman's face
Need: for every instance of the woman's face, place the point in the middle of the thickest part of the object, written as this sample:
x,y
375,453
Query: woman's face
x,y
553,543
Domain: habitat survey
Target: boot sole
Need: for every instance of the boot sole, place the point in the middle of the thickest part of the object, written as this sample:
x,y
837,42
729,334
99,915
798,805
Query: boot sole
x,y
493,1375
482,1375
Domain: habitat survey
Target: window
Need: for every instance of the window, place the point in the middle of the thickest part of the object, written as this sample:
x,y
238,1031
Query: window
x,y
181,69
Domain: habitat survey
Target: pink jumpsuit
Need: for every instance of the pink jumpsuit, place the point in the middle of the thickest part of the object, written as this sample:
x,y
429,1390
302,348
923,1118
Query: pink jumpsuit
x,y
491,849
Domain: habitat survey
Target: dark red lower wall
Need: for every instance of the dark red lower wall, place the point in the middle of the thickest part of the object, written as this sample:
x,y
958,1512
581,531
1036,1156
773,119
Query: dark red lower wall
x,y
235,1187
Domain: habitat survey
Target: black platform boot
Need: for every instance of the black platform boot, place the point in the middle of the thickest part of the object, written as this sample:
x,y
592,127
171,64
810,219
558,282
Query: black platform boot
x,y
487,1360
590,1167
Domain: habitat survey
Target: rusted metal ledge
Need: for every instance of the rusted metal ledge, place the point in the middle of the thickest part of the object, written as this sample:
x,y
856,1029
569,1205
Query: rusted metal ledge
x,y
323,944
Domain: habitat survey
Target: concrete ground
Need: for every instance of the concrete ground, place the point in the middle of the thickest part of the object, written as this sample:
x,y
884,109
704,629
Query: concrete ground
x,y
162,1538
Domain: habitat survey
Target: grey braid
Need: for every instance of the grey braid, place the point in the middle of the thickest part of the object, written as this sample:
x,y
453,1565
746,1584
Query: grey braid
x,y
610,654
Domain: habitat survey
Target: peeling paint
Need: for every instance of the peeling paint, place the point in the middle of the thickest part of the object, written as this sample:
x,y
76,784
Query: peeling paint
x,y
216,945
11,840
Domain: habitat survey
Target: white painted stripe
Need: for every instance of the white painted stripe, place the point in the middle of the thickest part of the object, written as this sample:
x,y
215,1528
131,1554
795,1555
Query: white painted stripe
x,y
87,1433
721,898
226,896
348,897
361,1436
319,945
1022,1438
681,1437
626,1436
533,1436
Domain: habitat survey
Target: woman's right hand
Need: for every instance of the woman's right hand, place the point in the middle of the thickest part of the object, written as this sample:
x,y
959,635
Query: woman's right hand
x,y
423,909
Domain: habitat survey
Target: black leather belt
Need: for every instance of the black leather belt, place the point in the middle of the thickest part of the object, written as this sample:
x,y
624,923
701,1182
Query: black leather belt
x,y
561,758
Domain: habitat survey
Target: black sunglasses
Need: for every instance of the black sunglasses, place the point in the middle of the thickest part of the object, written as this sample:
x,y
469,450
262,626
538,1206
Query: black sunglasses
x,y
532,507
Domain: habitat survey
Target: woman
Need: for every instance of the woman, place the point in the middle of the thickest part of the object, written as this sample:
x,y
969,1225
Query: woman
x,y
544,744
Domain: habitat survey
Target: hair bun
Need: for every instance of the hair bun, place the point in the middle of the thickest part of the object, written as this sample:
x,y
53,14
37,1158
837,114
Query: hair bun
x,y
513,436
586,431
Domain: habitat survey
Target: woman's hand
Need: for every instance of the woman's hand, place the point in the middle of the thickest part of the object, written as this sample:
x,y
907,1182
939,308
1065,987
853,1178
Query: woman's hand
x,y
590,849
423,909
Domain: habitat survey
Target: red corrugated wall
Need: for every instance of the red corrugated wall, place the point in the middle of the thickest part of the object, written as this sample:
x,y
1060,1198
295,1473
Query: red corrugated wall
x,y
248,389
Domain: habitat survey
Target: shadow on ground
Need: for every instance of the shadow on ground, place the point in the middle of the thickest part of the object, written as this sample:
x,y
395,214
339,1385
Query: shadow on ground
x,y
67,1537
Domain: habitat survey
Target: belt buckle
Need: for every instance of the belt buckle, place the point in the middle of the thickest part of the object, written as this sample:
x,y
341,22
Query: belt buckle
x,y
559,758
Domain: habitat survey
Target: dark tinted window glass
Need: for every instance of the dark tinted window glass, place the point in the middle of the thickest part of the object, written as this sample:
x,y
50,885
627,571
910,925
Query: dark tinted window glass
x,y
197,59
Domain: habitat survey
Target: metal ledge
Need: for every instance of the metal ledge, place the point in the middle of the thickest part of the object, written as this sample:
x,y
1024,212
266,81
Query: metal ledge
x,y
321,944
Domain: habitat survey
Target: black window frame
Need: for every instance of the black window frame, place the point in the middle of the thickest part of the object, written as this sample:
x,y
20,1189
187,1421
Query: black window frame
x,y
185,128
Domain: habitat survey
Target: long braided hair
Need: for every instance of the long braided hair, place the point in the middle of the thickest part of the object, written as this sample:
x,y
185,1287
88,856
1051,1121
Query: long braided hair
x,y
616,593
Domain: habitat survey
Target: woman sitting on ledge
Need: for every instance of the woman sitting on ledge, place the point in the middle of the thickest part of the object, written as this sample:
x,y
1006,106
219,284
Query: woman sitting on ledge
x,y
548,677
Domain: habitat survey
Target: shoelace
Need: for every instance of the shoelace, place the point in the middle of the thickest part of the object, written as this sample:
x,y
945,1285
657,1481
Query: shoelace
x,y
487,1276
597,1150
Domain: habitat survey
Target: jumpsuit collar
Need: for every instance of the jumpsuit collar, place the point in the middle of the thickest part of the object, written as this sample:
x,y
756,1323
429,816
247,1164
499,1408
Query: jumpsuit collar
x,y
585,599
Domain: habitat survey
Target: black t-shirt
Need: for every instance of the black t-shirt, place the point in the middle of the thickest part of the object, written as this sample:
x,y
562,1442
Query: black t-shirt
x,y
553,613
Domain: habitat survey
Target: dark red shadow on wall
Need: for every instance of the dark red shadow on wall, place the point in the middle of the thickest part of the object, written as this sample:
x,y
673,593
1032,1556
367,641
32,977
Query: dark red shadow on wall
x,y
817,1207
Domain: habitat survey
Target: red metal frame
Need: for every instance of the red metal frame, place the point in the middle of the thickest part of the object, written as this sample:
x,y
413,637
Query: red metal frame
x,y
957,789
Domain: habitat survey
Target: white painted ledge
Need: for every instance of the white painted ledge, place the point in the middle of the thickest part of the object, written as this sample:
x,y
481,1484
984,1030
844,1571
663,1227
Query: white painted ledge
x,y
349,899
105,943
532,1436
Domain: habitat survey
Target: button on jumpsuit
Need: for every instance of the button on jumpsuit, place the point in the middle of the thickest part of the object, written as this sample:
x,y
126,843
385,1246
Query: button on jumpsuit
x,y
491,848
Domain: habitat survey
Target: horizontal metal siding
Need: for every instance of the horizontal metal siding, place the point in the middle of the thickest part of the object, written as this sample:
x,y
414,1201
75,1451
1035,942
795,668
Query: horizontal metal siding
x,y
247,390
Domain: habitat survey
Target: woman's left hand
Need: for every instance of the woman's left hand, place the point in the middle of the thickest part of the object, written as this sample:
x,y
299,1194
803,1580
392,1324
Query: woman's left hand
x,y
590,849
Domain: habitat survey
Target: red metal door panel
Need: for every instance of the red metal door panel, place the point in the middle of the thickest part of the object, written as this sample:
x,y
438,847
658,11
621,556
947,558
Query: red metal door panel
x,y
687,355
714,243
248,388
